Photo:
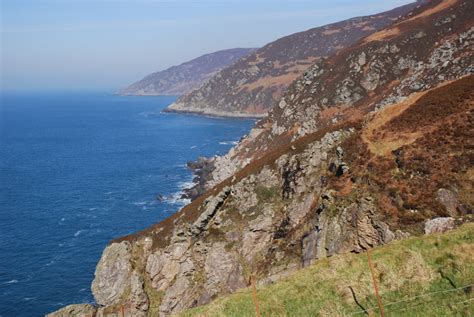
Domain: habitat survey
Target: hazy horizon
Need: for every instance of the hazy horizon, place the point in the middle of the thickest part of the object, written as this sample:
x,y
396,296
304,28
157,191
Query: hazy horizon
x,y
53,44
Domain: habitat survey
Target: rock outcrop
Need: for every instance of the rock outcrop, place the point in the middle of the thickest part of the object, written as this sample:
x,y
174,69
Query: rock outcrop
x,y
184,78
439,225
449,200
112,274
78,310
263,218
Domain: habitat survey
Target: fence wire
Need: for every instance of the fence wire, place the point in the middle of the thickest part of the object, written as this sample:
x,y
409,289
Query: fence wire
x,y
415,297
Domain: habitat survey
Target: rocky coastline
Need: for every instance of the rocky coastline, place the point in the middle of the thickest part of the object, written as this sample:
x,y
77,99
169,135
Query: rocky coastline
x,y
368,146
202,170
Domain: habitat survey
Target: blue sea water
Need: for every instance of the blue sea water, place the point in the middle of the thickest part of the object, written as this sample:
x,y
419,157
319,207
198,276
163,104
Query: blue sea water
x,y
78,169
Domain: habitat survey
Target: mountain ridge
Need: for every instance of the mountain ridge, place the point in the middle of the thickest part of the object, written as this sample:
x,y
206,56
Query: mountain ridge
x,y
255,83
187,76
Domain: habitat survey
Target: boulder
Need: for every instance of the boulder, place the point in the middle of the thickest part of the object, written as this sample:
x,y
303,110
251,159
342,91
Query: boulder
x,y
449,200
439,225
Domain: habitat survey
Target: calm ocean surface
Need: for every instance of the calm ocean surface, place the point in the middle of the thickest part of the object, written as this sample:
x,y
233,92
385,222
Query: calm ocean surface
x,y
78,169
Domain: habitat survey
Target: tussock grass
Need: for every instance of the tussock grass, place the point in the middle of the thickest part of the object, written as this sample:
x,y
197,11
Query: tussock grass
x,y
419,276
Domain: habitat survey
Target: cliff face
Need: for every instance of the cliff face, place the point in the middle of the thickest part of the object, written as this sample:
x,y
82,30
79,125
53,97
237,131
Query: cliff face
x,y
335,191
366,147
254,84
184,78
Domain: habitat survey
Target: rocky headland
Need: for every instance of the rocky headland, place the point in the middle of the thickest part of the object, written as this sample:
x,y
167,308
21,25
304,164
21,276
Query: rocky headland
x,y
371,144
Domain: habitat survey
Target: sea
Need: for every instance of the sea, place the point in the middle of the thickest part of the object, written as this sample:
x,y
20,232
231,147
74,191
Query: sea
x,y
79,168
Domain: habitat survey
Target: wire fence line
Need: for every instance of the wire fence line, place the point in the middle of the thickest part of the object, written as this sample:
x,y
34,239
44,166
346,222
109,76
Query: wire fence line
x,y
421,304
124,309
415,297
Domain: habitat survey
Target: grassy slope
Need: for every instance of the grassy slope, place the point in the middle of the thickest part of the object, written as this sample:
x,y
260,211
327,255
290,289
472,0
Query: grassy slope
x,y
420,273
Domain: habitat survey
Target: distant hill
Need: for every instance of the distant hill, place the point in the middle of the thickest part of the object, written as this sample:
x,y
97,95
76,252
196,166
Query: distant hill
x,y
253,85
182,79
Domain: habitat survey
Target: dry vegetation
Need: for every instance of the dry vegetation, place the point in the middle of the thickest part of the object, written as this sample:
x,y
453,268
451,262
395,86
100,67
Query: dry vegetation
x,y
410,151
395,29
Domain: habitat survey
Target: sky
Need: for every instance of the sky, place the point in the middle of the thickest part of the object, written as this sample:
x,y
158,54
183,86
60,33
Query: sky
x,y
108,44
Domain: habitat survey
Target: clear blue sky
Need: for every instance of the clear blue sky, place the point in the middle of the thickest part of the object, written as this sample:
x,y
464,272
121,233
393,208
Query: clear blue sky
x,y
107,44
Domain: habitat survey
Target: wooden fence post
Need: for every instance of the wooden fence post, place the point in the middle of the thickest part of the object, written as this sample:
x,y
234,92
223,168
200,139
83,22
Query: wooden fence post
x,y
374,281
254,296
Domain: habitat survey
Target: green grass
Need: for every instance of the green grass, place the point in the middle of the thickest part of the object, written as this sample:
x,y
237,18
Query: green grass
x,y
266,194
417,277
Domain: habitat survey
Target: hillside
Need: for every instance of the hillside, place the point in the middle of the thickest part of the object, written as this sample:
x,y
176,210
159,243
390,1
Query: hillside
x,y
371,145
254,84
428,276
182,79
324,194
415,54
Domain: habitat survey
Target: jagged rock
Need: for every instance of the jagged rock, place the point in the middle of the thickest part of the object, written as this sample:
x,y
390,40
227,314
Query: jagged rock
x,y
112,274
174,298
347,93
164,265
362,59
223,272
352,229
248,197
439,225
372,80
309,247
301,210
77,310
290,173
256,236
277,130
138,297
212,205
449,200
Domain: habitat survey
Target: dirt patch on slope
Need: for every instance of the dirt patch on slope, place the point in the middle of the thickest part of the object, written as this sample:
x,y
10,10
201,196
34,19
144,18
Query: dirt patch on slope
x,y
403,123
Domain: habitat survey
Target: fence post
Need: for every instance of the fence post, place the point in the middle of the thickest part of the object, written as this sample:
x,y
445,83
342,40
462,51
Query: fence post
x,y
254,296
372,272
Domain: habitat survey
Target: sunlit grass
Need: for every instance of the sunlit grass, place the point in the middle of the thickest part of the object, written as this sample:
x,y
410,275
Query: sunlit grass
x,y
420,276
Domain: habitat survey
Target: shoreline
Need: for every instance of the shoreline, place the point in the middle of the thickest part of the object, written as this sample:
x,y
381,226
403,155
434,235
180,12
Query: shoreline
x,y
145,95
215,114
